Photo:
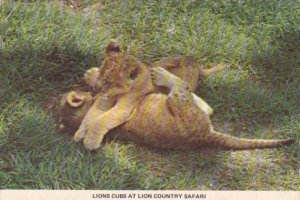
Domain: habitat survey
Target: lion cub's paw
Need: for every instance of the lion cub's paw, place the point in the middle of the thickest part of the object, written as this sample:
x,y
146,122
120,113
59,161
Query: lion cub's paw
x,y
78,136
91,76
161,77
92,143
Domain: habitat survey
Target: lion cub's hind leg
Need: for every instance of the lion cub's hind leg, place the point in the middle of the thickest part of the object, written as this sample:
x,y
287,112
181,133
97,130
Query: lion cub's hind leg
x,y
202,104
162,77
189,118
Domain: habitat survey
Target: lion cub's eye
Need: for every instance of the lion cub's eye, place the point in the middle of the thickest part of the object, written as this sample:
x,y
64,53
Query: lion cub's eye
x,y
134,73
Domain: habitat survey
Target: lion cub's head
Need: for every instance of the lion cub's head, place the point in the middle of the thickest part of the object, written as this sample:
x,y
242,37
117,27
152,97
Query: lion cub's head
x,y
72,109
119,72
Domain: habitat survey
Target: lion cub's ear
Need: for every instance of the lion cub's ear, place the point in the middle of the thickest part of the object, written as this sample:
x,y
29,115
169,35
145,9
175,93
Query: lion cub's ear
x,y
112,46
75,100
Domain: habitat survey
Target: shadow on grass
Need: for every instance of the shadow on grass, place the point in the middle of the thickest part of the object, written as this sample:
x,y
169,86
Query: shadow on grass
x,y
270,88
283,64
45,67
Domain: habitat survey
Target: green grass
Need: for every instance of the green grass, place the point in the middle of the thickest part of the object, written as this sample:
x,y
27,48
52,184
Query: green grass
x,y
46,47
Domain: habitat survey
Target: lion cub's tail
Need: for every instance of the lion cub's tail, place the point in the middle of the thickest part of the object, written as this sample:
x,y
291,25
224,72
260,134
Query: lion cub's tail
x,y
233,143
214,68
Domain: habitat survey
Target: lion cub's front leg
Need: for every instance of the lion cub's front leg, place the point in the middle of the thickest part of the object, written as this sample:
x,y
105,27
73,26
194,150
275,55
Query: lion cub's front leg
x,y
96,125
91,76
100,106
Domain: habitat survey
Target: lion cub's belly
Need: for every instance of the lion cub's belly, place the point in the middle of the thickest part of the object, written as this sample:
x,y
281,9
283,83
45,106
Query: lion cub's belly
x,y
154,124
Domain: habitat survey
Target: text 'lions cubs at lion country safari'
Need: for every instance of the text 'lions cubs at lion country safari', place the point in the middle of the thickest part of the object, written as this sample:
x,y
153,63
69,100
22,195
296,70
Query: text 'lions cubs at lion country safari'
x,y
149,196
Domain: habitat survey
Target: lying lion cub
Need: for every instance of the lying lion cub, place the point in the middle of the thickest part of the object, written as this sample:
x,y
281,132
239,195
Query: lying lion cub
x,y
128,103
122,83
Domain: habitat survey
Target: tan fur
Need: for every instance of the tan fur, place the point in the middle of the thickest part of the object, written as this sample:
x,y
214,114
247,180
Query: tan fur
x,y
187,68
174,120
